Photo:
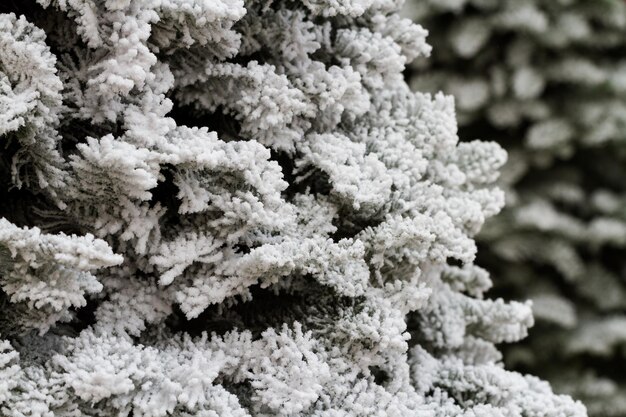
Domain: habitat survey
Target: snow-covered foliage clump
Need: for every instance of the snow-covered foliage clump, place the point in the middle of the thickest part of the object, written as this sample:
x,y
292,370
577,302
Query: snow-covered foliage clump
x,y
229,208
547,80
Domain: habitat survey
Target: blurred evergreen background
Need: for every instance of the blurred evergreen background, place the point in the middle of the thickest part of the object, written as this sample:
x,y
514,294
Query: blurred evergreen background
x,y
547,80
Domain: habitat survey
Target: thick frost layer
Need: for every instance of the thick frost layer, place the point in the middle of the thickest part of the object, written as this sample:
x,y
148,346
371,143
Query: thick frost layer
x,y
274,217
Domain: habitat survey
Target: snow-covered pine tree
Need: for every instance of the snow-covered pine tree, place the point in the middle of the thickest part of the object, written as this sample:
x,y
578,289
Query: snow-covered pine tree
x,y
218,208
547,79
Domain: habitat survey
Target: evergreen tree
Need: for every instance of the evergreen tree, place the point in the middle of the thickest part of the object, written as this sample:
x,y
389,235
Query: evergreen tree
x,y
547,79
218,208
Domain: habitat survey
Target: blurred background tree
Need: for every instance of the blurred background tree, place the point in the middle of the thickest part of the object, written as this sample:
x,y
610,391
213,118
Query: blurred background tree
x,y
547,80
